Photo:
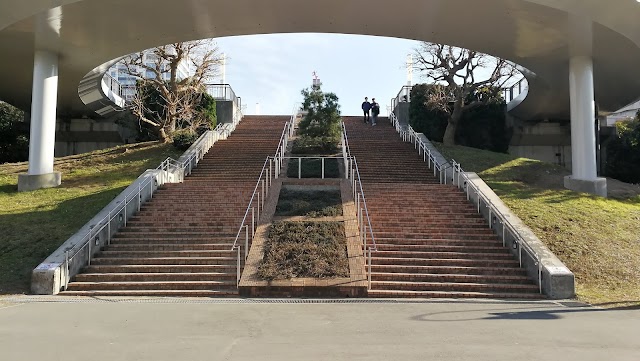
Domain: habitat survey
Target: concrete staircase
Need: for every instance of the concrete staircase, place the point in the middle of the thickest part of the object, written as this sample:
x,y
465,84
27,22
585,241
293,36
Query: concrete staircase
x,y
431,241
179,244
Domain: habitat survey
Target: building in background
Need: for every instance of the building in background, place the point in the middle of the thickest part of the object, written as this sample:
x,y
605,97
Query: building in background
x,y
128,81
625,113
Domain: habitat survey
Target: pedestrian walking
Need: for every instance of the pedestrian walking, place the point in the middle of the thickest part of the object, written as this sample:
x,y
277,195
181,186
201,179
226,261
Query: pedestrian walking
x,y
366,107
375,111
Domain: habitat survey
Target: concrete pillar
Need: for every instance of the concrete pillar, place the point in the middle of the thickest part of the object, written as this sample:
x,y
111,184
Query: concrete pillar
x,y
583,136
43,124
584,176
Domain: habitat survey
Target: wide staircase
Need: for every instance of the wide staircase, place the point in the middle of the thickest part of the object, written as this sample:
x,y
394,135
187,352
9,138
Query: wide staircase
x,y
431,242
179,244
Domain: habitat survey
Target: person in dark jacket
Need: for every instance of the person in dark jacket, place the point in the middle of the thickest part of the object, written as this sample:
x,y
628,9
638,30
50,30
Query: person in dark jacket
x,y
375,111
366,107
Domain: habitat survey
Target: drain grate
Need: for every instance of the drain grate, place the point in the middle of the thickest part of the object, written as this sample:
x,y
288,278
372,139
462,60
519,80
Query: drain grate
x,y
186,300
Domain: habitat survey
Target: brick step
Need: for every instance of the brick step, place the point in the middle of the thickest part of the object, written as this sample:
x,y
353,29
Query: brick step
x,y
153,253
428,222
179,219
215,268
182,230
464,211
164,261
470,270
434,294
445,255
449,278
486,242
375,213
430,231
156,277
165,285
202,213
455,286
188,222
171,240
439,248
443,262
154,293
169,247
432,236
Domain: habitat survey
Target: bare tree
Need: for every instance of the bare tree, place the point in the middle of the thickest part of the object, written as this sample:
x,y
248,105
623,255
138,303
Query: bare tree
x,y
157,76
456,70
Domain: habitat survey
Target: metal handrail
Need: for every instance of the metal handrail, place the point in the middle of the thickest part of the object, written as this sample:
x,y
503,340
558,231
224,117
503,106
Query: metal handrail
x,y
404,96
184,168
509,93
353,174
411,136
272,172
494,212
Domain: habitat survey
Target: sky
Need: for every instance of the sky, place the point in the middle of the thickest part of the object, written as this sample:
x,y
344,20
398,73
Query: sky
x,y
272,69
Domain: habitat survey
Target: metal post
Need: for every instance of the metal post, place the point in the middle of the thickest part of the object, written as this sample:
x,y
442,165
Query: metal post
x,y
139,198
299,167
238,268
263,194
369,273
246,248
322,160
253,220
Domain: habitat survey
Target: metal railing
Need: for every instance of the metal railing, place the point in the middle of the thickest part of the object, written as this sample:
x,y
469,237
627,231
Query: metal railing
x,y
404,96
460,179
224,92
512,92
169,168
364,220
113,84
270,171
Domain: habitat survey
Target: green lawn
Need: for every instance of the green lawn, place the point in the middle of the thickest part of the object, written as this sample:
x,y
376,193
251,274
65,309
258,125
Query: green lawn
x,y
34,224
597,238
309,203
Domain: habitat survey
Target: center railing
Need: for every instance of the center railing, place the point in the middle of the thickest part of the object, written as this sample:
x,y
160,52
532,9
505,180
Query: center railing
x,y
270,171
460,179
364,220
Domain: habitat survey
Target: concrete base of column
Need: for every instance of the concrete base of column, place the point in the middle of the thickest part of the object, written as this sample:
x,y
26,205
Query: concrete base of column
x,y
31,182
597,187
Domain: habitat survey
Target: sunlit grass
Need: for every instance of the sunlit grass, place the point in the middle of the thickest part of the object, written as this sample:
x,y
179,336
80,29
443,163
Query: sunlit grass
x,y
34,224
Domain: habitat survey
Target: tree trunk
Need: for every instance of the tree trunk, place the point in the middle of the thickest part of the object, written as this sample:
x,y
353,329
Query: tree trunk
x,y
450,133
164,137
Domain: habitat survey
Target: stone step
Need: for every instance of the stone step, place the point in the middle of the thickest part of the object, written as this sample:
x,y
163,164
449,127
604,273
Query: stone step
x,y
450,294
443,262
446,269
159,277
153,293
454,286
184,268
154,253
448,278
152,285
164,261
444,255
439,248
169,247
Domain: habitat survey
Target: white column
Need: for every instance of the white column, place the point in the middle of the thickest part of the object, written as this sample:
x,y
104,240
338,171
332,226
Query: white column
x,y
583,137
43,112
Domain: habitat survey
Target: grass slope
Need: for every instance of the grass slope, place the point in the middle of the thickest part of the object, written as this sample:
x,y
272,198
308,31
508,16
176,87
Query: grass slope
x,y
34,224
311,203
597,238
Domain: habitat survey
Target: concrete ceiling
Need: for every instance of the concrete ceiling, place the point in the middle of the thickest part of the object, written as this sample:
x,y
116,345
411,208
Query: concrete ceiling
x,y
89,34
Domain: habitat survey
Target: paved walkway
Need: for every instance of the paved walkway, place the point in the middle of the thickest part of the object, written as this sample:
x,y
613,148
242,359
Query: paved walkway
x,y
204,329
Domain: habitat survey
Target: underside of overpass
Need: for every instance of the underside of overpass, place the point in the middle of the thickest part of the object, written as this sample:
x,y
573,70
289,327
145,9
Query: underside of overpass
x,y
55,53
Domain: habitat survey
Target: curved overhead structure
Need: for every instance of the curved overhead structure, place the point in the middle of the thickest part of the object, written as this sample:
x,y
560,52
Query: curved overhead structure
x,y
541,35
